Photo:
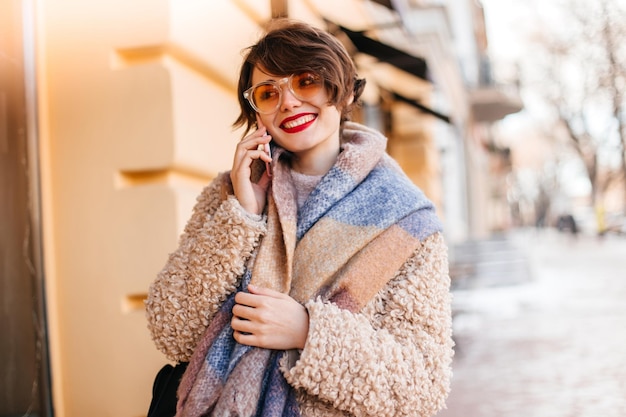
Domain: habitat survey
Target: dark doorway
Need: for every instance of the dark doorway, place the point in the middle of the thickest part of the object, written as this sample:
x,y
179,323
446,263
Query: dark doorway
x,y
24,368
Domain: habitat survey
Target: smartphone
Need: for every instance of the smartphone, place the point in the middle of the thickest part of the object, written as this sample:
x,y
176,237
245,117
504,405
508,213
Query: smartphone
x,y
268,151
268,166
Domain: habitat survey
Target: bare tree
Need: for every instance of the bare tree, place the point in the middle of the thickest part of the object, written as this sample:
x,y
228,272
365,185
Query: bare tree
x,y
614,80
579,69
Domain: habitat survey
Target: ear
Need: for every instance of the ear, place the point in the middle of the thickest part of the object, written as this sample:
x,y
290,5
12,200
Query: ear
x,y
350,100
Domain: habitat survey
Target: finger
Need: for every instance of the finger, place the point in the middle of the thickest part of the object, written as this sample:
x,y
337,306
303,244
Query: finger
x,y
247,299
263,153
253,148
246,339
254,289
244,157
243,311
252,141
256,154
242,326
259,122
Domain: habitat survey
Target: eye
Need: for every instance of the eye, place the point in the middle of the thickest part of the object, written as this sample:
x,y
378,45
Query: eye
x,y
266,92
308,80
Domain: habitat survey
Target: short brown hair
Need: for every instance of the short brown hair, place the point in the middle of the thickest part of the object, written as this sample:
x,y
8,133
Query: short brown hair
x,y
291,47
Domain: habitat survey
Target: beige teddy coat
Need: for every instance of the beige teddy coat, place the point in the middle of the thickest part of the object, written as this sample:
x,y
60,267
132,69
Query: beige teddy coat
x,y
391,359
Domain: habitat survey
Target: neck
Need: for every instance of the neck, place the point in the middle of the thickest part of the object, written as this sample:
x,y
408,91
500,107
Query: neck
x,y
318,159
314,164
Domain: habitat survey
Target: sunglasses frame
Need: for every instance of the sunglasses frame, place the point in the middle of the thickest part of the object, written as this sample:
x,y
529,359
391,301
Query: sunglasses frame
x,y
278,83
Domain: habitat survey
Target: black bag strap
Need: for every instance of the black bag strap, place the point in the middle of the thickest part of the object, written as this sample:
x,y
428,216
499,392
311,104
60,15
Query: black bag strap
x,y
164,389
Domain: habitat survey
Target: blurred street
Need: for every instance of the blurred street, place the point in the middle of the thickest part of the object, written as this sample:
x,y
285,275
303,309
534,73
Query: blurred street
x,y
547,339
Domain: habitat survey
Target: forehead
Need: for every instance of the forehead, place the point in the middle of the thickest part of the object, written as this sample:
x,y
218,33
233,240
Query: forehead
x,y
260,75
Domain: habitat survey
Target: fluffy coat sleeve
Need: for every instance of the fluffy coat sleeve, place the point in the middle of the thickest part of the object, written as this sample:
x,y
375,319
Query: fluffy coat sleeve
x,y
391,359
205,268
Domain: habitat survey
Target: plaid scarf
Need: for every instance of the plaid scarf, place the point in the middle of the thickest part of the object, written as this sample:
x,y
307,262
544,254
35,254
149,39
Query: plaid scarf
x,y
356,229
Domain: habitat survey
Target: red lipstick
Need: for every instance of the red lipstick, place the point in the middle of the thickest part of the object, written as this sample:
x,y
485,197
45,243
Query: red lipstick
x,y
298,123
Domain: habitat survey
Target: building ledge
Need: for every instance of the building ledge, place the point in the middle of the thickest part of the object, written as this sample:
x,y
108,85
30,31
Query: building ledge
x,y
490,104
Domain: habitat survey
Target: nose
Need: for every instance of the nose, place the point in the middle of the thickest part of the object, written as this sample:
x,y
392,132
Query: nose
x,y
288,99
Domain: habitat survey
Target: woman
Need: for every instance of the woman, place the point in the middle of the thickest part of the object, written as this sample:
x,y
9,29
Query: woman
x,y
313,282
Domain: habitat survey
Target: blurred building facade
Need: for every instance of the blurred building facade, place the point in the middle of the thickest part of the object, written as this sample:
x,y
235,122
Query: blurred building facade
x,y
127,111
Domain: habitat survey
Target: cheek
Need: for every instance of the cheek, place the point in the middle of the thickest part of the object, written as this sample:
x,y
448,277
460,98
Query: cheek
x,y
267,120
332,115
271,124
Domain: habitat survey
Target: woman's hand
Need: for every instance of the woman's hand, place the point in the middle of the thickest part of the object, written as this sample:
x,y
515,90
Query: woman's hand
x,y
251,196
269,319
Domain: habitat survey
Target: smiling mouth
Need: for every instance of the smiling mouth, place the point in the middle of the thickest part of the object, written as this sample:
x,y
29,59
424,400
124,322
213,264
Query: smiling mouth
x,y
292,124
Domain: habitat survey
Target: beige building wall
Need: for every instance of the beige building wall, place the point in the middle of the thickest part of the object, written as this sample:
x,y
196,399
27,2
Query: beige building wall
x,y
136,99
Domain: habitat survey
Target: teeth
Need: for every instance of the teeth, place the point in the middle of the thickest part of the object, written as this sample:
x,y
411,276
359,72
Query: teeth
x,y
302,120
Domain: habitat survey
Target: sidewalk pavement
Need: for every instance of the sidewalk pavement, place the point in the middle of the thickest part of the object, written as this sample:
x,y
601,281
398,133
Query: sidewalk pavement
x,y
544,336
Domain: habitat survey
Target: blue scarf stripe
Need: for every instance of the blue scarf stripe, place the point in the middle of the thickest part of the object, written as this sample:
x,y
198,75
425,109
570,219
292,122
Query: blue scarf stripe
x,y
335,184
387,194
385,197
422,223
278,398
225,352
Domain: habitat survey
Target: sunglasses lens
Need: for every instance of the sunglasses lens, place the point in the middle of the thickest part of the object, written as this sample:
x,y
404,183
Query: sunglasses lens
x,y
266,97
306,85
